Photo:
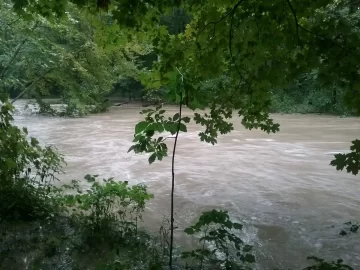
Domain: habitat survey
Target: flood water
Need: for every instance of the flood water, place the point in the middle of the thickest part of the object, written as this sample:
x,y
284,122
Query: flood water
x,y
280,185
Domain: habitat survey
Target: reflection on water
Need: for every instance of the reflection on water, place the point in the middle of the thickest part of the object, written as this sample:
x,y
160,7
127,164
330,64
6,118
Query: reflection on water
x,y
280,185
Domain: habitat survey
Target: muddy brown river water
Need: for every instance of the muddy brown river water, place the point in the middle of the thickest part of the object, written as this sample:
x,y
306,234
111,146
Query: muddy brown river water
x,y
280,185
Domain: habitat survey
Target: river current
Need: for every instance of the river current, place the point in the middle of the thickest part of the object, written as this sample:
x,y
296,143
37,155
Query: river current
x,y
293,204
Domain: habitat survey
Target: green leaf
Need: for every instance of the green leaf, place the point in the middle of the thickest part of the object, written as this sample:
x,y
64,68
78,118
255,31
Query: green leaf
x,y
34,142
189,231
152,158
156,127
247,248
131,148
237,226
141,126
10,164
146,111
182,127
249,258
176,116
186,119
170,127
150,133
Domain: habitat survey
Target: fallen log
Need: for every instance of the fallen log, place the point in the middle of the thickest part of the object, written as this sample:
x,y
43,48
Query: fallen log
x,y
119,104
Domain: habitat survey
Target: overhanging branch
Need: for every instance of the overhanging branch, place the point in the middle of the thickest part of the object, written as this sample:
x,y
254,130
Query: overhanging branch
x,y
33,83
319,36
296,20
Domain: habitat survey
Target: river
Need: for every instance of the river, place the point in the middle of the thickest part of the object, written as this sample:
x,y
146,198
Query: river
x,y
280,185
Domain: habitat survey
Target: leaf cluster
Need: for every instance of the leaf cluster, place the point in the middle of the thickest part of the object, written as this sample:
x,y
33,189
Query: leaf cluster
x,y
220,243
107,203
321,264
156,123
349,161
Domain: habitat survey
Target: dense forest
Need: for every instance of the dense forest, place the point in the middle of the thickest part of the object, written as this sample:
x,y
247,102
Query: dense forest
x,y
220,59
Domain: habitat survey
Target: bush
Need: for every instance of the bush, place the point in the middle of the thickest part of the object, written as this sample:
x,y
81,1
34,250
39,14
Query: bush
x,y
107,206
227,250
27,171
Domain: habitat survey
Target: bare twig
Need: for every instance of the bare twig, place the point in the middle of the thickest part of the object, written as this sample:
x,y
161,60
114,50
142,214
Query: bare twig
x,y
214,23
328,39
296,21
14,21
41,77
230,49
219,20
167,138
231,38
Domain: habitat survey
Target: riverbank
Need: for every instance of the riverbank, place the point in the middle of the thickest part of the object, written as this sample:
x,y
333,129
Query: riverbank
x,y
59,243
277,108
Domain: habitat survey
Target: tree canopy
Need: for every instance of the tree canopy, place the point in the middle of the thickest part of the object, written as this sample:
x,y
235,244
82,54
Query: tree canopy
x,y
66,57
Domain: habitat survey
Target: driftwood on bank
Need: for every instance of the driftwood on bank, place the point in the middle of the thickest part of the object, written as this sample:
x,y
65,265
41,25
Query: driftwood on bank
x,y
144,105
119,104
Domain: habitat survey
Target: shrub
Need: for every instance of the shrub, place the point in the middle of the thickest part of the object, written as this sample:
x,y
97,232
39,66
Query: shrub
x,y
107,204
27,171
227,250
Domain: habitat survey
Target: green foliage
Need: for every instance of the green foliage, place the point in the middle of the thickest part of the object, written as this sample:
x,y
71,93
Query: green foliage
x,y
128,88
27,171
65,58
307,95
156,122
155,96
220,244
107,204
176,21
350,161
321,264
145,252
351,227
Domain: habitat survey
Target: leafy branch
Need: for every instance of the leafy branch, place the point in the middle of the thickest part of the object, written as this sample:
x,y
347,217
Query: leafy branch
x,y
145,130
214,23
299,26
16,52
349,161
30,85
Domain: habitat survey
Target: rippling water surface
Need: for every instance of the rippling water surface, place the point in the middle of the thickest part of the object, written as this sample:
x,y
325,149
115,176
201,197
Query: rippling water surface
x,y
281,185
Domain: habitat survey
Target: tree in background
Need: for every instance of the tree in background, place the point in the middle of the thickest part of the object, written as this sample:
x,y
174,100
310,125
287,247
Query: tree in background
x,y
64,58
